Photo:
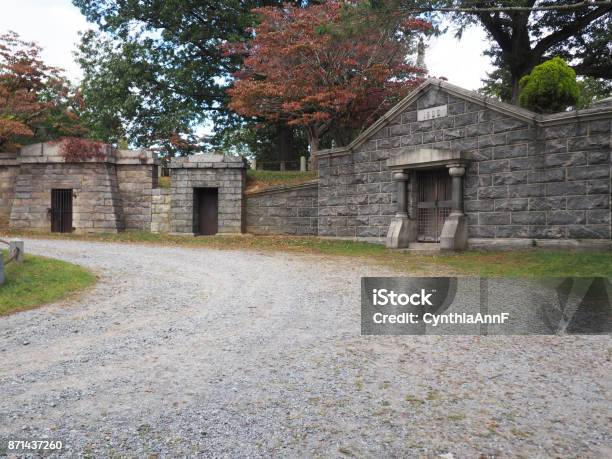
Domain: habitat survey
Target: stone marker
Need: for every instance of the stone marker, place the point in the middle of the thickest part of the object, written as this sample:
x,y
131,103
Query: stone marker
x,y
16,245
303,163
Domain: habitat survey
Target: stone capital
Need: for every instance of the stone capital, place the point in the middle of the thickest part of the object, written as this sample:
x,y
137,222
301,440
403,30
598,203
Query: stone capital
x,y
400,176
456,170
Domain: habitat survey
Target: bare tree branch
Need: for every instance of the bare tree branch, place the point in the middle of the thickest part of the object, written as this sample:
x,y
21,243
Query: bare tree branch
x,y
506,9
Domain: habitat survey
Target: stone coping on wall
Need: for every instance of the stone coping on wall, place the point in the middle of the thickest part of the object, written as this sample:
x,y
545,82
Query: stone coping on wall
x,y
603,111
208,161
283,188
49,152
425,158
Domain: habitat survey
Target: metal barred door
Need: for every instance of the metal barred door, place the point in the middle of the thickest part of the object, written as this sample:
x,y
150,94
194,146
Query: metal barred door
x,y
61,211
434,203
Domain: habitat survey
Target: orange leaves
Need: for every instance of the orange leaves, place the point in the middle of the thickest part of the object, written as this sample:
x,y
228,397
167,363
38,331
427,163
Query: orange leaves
x,y
329,61
14,128
32,95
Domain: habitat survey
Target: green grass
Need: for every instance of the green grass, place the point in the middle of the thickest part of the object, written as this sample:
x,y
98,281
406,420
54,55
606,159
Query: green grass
x,y
40,280
518,263
259,180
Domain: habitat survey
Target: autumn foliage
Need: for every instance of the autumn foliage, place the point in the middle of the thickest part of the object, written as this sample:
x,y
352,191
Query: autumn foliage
x,y
36,102
331,68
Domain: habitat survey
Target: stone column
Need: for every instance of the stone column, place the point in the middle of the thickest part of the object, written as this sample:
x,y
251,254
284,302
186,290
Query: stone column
x,y
402,229
402,180
454,234
457,172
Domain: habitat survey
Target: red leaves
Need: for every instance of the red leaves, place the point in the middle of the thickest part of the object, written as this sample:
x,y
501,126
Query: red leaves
x,y
329,61
75,149
32,94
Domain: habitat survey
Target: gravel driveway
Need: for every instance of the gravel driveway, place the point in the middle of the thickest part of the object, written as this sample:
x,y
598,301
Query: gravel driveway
x,y
197,352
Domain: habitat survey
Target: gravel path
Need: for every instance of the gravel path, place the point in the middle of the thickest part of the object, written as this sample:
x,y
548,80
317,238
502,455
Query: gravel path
x,y
197,352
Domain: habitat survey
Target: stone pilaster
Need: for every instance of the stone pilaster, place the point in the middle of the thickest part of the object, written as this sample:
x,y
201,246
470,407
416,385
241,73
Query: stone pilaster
x,y
402,229
454,234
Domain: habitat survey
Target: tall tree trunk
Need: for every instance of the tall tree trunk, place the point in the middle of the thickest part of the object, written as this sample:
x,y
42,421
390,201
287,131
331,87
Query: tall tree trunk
x,y
313,144
285,145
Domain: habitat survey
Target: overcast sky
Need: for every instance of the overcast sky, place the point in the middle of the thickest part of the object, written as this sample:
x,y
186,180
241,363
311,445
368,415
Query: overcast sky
x,y
55,24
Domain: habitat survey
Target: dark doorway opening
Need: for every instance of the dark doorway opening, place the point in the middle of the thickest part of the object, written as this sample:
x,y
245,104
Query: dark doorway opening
x,y
61,211
434,193
205,211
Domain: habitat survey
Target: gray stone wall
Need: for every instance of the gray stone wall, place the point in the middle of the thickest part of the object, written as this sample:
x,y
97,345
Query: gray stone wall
x,y
96,204
283,210
160,210
9,168
227,174
527,179
135,186
109,194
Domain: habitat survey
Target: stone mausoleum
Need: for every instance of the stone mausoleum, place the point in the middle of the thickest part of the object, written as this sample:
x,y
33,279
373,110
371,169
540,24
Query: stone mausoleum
x,y
454,168
446,168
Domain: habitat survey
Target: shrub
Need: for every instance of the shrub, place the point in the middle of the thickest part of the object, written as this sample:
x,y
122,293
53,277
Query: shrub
x,y
550,87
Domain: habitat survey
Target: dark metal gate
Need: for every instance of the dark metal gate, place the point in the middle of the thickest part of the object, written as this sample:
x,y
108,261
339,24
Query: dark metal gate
x,y
434,189
205,211
61,211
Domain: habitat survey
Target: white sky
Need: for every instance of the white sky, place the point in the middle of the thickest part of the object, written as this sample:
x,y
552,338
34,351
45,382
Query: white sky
x,y
55,24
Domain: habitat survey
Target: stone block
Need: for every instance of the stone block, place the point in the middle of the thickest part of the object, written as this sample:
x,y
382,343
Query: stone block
x,y
490,167
469,144
508,124
566,188
399,130
528,218
546,175
450,134
494,218
481,231
520,136
513,204
547,232
598,186
510,151
589,232
479,205
493,140
510,178
493,192
479,129
445,122
512,231
466,119
566,217
588,172
456,108
601,201
421,126
598,157
562,131
432,98
592,142
598,216
554,203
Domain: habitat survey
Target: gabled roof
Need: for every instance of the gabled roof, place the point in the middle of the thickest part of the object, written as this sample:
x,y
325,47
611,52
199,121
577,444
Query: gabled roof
x,y
470,96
